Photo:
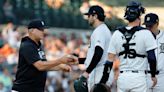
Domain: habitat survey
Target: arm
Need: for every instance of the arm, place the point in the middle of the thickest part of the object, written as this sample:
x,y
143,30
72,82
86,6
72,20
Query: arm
x,y
152,62
107,68
81,60
56,68
54,65
81,83
63,67
30,53
46,65
112,57
116,68
95,60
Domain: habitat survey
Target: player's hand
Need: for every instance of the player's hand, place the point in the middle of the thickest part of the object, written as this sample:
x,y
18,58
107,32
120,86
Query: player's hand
x,y
69,59
154,79
65,68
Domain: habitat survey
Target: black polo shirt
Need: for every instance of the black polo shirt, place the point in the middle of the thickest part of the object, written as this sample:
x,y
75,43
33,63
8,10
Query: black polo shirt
x,y
29,78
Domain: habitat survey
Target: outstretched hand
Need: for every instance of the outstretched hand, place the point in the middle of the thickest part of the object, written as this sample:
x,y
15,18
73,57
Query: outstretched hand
x,y
69,59
65,68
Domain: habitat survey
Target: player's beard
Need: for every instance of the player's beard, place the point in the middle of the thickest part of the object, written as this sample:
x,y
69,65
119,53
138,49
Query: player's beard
x,y
91,23
139,22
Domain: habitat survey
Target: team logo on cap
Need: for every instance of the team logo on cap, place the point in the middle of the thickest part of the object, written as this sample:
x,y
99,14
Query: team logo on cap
x,y
148,19
42,22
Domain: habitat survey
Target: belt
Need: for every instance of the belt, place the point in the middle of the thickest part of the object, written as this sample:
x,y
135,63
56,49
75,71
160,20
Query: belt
x,y
13,91
133,71
157,72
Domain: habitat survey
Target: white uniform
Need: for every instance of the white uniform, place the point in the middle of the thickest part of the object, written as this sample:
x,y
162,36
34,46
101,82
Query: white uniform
x,y
159,52
100,37
130,80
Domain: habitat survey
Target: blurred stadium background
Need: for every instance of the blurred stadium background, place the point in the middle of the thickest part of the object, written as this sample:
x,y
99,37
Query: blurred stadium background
x,y
68,32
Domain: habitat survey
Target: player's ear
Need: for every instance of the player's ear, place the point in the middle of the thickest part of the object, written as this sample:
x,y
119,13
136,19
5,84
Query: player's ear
x,y
157,23
96,16
31,30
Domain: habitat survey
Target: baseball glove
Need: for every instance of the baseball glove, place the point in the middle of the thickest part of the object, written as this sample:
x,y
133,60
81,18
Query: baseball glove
x,y
80,85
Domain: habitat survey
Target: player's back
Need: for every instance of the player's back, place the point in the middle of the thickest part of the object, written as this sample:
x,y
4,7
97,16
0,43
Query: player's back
x,y
132,54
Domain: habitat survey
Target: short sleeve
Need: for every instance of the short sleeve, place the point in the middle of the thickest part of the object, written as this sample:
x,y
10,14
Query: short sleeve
x,y
112,44
30,53
150,42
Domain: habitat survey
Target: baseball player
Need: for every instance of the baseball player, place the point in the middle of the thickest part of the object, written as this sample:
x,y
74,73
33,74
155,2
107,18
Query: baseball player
x,y
134,46
151,22
97,52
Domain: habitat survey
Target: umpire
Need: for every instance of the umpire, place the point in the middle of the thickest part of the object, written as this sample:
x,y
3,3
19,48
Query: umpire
x,y
32,64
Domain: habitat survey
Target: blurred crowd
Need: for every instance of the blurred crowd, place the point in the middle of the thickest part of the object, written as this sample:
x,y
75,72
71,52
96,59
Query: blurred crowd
x,y
53,12
55,47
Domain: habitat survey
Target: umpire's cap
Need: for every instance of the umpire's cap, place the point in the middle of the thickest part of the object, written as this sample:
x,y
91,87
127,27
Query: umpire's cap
x,y
36,23
151,19
95,10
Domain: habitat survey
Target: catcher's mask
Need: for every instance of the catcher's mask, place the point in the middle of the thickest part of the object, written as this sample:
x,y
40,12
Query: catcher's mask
x,y
133,11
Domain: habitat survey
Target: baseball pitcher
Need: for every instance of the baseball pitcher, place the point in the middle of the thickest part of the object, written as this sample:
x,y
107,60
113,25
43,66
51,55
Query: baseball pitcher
x,y
97,52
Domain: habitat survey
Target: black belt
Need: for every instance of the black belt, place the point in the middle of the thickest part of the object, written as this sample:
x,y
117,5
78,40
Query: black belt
x,y
157,72
133,71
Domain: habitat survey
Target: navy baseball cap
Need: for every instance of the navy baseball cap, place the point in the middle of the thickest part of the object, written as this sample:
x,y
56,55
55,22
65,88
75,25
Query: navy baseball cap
x,y
95,10
39,24
151,19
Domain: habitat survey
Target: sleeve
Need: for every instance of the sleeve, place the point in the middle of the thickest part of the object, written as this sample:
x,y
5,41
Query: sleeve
x,y
95,59
112,44
81,60
99,39
152,62
150,42
107,68
30,54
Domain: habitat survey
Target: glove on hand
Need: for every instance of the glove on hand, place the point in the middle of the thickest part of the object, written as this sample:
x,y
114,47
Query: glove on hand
x,y
80,85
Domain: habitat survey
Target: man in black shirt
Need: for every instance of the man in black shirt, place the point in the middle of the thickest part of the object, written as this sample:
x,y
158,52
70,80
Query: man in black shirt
x,y
32,64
